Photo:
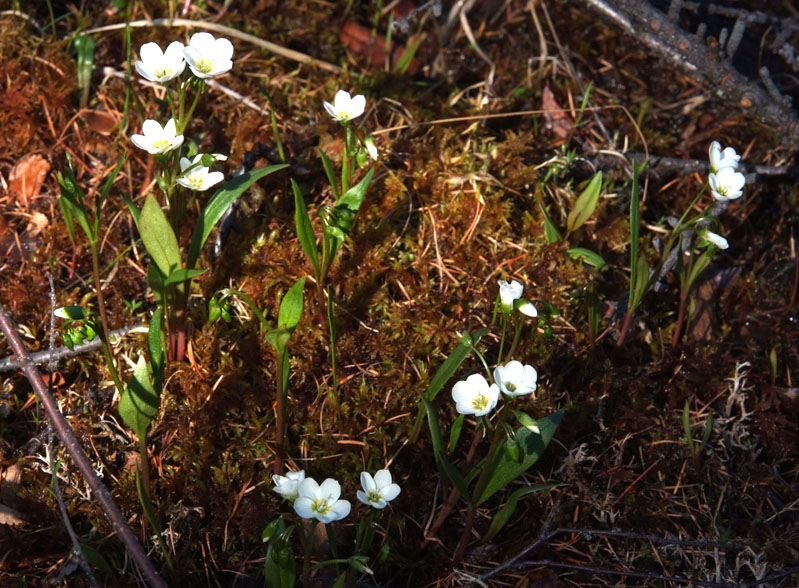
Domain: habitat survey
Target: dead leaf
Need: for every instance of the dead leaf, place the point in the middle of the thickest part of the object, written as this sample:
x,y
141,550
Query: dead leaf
x,y
11,517
99,120
27,177
556,119
358,39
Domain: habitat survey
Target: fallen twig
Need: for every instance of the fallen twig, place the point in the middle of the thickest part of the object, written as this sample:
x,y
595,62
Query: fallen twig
x,y
14,363
67,437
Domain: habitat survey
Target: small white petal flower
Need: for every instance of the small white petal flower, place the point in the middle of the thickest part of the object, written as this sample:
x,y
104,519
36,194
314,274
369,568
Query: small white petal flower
x,y
198,178
157,139
161,66
321,502
371,148
715,239
508,293
720,159
346,107
288,486
726,184
515,379
377,491
208,57
474,396
526,308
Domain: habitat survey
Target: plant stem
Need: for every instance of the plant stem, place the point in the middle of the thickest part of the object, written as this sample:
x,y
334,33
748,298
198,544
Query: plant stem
x,y
331,323
279,419
307,541
145,465
98,291
680,319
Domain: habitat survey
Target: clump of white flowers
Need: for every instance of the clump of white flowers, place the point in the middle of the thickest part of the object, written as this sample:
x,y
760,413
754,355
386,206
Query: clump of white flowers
x,y
725,182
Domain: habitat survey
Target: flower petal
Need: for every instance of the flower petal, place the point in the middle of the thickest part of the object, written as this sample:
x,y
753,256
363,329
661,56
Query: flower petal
x,y
302,506
382,478
391,492
330,490
367,482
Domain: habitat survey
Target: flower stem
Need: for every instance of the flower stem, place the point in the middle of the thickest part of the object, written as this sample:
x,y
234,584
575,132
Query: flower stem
x,y
280,414
98,290
307,540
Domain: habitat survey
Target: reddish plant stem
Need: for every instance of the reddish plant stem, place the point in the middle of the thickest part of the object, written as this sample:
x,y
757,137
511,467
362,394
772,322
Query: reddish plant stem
x,y
628,318
67,437
680,320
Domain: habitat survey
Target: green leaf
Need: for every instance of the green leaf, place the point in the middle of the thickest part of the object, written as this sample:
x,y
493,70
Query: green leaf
x,y
551,233
455,432
506,512
586,204
135,211
146,504
158,237
588,256
279,339
305,229
635,227
84,46
72,198
331,175
183,275
106,189
280,568
408,55
641,280
445,372
156,349
699,266
532,445
73,313
291,307
219,204
353,198
156,280
445,468
139,402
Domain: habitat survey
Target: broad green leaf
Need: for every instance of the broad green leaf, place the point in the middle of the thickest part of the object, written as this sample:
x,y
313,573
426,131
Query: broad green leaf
x,y
158,237
591,258
73,313
455,432
353,198
156,280
182,275
305,229
445,372
585,205
506,512
219,204
155,347
331,175
138,404
445,468
291,307
84,46
532,445
278,338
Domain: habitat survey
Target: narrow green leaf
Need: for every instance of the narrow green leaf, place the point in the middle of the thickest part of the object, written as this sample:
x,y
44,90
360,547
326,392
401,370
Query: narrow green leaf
x,y
532,445
138,404
455,432
305,229
445,372
506,512
219,203
591,258
109,182
84,46
183,275
146,504
72,197
551,233
586,204
69,218
699,266
331,174
445,468
708,429
405,60
641,280
156,280
635,227
291,307
135,211
158,237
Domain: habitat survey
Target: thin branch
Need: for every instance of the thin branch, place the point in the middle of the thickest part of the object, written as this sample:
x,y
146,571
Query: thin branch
x,y
67,437
59,353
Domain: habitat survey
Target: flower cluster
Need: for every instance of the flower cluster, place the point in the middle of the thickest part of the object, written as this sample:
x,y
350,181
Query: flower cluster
x,y
322,501
725,182
474,396
206,57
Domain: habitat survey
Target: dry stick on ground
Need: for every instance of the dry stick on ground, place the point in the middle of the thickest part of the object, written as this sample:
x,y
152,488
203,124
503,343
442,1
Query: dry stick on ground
x,y
689,53
67,437
217,28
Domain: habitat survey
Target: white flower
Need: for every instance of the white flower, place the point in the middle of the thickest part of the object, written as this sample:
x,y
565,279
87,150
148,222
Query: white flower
x,y
715,239
474,396
157,139
161,66
726,184
198,178
371,148
515,379
344,107
321,502
720,159
525,307
508,293
208,57
377,491
288,486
